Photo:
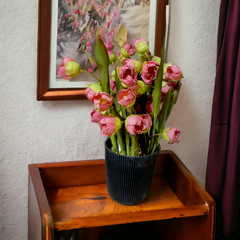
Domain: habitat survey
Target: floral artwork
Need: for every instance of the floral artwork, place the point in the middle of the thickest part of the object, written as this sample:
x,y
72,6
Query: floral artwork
x,y
79,20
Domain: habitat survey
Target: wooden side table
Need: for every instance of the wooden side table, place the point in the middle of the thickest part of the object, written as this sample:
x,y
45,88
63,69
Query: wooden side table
x,y
73,195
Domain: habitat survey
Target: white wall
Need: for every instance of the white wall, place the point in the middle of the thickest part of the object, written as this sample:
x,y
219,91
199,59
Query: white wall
x,y
34,131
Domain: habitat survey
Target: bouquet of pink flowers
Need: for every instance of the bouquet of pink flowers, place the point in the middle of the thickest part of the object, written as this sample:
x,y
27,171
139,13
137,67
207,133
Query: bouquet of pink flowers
x,y
133,103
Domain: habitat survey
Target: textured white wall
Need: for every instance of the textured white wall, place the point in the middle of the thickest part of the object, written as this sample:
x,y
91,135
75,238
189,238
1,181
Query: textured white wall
x,y
34,131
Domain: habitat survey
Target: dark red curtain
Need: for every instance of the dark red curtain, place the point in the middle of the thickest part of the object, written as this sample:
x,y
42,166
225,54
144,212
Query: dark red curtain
x,y
223,167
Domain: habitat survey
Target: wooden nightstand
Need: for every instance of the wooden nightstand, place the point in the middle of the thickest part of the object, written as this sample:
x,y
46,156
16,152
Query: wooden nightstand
x,y
73,195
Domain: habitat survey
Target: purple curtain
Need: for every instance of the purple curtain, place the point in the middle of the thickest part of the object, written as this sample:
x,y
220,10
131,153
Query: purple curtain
x,y
223,167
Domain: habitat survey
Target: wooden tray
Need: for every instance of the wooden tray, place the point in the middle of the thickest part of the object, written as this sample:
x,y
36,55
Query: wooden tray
x,y
71,195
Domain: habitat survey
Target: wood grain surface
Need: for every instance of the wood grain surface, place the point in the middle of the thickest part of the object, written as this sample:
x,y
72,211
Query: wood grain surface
x,y
74,196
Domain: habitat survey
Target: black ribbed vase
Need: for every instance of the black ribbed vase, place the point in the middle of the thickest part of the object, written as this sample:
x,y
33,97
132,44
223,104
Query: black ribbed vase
x,y
129,179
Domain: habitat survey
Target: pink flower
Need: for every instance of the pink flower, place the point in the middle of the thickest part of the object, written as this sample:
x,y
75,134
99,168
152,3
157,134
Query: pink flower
x,y
66,15
171,135
165,88
128,76
75,23
102,101
149,72
89,94
91,90
127,50
133,63
135,124
141,45
147,121
109,46
139,89
113,85
69,69
149,107
126,98
172,72
96,115
109,125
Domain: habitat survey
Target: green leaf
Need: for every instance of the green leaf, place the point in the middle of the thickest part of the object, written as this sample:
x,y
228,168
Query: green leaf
x,y
162,119
102,60
157,98
158,87
173,100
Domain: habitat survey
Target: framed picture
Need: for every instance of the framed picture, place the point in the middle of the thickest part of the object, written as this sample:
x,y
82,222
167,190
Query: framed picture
x,y
67,29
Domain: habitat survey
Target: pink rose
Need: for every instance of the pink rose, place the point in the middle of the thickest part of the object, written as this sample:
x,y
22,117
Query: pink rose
x,y
126,98
128,76
102,101
109,125
127,50
172,72
69,69
149,72
135,124
149,107
96,115
147,121
171,135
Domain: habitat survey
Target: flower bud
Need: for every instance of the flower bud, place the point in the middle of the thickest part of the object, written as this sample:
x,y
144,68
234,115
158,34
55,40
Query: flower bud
x,y
139,89
142,57
149,72
126,98
127,50
102,101
92,89
96,115
156,59
109,125
112,56
135,124
141,45
172,72
133,63
127,75
149,107
69,69
113,86
147,121
171,135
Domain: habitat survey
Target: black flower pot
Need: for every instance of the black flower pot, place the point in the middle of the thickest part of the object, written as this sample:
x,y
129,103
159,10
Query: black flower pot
x,y
129,179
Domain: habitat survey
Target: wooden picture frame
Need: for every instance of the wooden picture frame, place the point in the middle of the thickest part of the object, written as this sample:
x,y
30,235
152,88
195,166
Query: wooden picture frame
x,y
44,92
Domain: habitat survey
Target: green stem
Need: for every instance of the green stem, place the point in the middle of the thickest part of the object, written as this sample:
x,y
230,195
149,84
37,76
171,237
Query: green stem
x,y
121,142
114,143
134,148
127,143
84,71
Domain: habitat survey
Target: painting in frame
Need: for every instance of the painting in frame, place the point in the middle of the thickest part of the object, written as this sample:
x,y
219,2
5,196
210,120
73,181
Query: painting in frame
x,y
67,29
